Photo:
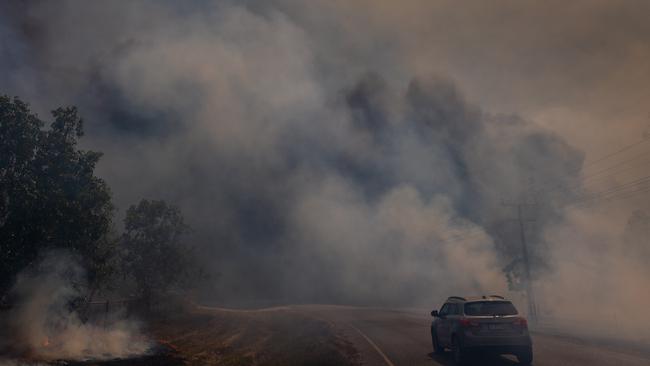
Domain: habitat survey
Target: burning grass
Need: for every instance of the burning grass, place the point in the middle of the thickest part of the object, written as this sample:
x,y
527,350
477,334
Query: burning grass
x,y
208,336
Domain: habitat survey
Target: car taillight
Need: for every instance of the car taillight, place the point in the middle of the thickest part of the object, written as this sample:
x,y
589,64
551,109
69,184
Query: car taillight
x,y
522,322
466,323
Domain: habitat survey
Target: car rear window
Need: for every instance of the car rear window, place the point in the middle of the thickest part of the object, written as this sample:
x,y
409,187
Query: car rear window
x,y
479,308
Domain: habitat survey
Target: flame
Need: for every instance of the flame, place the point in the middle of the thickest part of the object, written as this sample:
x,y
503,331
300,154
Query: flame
x,y
46,342
168,343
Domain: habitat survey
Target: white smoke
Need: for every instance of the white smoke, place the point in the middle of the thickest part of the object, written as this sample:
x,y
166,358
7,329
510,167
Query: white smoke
x,y
234,112
397,246
597,283
45,325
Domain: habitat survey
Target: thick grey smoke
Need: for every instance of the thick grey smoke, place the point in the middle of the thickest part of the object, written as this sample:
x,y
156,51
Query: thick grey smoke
x,y
325,154
45,325
300,182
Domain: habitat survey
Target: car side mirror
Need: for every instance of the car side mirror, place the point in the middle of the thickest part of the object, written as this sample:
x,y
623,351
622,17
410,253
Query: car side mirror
x,y
434,313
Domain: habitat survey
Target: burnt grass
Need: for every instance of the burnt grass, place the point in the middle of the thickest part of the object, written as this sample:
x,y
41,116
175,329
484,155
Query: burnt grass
x,y
165,357
207,336
233,338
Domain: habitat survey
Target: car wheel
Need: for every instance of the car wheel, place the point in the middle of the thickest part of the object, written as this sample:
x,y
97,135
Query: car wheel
x,y
437,349
525,357
458,354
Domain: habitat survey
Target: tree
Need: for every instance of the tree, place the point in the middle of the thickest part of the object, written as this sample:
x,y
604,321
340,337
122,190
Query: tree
x,y
155,256
49,195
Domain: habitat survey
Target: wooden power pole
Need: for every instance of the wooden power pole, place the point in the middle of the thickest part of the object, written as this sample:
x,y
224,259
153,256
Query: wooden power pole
x,y
528,284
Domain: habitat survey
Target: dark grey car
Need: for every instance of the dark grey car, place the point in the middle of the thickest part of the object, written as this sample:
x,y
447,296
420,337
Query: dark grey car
x,y
486,323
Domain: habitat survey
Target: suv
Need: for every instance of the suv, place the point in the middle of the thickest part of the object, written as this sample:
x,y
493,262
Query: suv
x,y
486,323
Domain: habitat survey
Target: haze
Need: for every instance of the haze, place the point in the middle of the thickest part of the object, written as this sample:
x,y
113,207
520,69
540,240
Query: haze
x,y
362,152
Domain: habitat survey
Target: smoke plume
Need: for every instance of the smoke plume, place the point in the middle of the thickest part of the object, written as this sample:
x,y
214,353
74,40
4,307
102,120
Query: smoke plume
x,y
353,153
45,324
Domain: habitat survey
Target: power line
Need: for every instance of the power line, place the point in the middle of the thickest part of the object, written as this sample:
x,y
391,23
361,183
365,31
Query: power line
x,y
561,187
602,158
612,198
623,149
589,178
613,191
628,195
618,165
619,187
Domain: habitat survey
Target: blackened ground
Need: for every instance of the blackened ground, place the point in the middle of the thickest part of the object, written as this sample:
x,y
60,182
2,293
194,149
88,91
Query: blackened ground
x,y
275,336
162,355
209,336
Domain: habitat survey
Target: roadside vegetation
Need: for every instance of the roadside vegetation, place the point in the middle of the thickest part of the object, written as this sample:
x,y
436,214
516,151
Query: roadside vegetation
x,y
53,206
51,200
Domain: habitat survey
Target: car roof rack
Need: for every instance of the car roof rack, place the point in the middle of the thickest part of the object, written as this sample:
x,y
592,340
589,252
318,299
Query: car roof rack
x,y
456,298
498,297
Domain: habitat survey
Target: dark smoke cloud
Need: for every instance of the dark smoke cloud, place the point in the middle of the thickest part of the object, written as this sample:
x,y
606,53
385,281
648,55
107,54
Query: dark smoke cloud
x,y
310,170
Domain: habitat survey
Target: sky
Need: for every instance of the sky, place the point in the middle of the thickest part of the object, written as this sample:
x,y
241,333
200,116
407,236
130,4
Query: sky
x,y
360,152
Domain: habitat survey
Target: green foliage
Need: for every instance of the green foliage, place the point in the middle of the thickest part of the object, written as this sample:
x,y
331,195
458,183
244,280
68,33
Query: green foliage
x,y
49,195
51,199
155,256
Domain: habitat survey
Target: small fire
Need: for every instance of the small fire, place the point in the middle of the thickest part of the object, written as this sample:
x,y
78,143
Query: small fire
x,y
46,342
168,344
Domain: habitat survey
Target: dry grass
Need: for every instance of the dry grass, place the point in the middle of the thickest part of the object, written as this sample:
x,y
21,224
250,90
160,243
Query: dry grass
x,y
270,337
206,336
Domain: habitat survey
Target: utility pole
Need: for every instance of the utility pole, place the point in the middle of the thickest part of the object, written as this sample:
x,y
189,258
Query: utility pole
x,y
532,308
528,284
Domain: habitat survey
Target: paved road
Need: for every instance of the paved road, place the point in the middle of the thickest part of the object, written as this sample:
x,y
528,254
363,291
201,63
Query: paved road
x,y
401,337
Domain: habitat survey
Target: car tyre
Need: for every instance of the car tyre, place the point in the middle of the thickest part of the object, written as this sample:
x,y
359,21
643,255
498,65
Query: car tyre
x,y
458,355
525,357
437,348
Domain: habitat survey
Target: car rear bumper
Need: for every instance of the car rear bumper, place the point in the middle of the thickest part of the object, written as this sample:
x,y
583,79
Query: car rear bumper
x,y
517,342
499,350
